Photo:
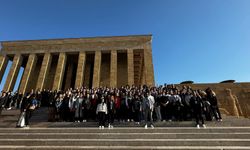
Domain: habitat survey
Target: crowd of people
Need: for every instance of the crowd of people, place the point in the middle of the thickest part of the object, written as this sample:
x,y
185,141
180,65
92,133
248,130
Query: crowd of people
x,y
125,104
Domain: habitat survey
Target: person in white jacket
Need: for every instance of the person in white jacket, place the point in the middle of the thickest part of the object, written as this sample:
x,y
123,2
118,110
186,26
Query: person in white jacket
x,y
102,111
148,106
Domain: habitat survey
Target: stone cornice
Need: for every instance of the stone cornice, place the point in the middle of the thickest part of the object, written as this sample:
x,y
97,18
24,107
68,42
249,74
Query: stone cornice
x,y
76,44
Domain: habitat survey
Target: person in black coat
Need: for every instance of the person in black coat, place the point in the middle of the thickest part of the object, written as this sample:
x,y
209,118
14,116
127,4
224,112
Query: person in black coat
x,y
49,97
197,105
28,105
206,104
137,108
111,111
19,100
211,96
164,101
3,100
65,113
9,101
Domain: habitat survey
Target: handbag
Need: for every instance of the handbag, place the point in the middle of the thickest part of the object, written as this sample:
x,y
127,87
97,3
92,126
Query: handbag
x,y
32,107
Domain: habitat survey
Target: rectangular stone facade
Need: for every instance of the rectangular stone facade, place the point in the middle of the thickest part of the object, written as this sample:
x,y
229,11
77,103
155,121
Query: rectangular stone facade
x,y
68,63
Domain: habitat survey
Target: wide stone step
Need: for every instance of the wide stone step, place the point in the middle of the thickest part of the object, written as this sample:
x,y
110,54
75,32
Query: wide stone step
x,y
39,119
124,135
127,147
127,142
129,130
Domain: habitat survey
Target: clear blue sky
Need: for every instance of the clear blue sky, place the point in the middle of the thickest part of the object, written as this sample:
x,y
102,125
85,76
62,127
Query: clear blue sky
x,y
199,40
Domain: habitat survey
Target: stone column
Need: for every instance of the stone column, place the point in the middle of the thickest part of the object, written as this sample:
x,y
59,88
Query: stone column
x,y
113,69
57,85
47,58
3,63
27,73
80,69
130,58
69,75
97,69
11,79
148,65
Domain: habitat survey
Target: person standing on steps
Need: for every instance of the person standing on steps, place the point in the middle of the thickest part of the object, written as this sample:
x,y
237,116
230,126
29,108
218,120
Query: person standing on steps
x,y
3,100
148,106
137,108
111,110
102,111
29,104
214,104
198,106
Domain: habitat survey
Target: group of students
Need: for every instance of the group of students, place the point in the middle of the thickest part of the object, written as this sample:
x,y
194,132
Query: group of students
x,y
128,103
26,104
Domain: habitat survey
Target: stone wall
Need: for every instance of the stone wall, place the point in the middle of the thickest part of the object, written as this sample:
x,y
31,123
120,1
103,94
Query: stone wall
x,y
234,98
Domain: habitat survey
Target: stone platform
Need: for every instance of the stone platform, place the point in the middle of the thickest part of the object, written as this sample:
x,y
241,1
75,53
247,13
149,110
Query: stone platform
x,y
232,133
40,117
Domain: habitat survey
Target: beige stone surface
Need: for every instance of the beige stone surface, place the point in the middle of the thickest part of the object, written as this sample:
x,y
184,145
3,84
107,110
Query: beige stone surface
x,y
87,75
76,44
69,76
122,69
97,68
51,73
148,65
3,63
80,70
30,66
105,70
130,57
138,66
113,69
11,78
43,74
128,71
57,85
34,74
233,98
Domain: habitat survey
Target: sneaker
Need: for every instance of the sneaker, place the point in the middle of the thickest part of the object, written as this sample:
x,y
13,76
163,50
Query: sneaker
x,y
146,126
100,127
198,126
152,126
26,127
8,108
109,126
204,126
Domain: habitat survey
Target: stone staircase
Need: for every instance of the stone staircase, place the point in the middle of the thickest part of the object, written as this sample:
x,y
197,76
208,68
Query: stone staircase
x,y
232,133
